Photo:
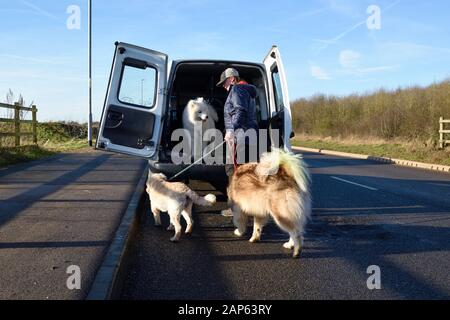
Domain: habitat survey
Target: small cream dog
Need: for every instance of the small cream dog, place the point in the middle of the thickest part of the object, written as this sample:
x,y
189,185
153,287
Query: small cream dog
x,y
176,199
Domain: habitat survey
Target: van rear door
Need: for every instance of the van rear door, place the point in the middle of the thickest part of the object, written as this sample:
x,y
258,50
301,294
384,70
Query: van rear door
x,y
132,116
280,108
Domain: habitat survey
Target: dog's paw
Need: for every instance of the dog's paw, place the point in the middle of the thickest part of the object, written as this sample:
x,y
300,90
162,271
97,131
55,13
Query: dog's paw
x,y
288,245
297,253
175,239
238,233
188,230
170,228
254,239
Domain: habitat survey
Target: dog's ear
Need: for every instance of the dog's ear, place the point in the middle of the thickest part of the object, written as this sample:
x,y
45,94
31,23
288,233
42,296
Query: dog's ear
x,y
213,113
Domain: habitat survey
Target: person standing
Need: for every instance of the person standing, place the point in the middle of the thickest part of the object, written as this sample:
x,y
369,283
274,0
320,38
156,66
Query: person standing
x,y
240,117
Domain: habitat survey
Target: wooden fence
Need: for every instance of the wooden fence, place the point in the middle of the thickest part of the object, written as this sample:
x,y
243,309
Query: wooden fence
x,y
17,122
443,142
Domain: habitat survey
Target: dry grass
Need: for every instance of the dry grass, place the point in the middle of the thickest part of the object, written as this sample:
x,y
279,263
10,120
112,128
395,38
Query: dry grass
x,y
53,137
410,114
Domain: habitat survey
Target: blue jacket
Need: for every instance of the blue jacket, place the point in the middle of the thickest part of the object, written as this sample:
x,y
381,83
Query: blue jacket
x,y
240,108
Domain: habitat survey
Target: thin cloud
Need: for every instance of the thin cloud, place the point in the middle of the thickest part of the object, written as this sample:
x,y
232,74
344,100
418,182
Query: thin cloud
x,y
318,73
30,59
343,34
349,58
327,42
368,70
309,13
20,11
40,11
392,5
376,69
42,76
414,49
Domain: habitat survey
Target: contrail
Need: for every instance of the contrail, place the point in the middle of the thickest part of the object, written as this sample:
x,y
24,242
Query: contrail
x,y
343,34
40,11
30,59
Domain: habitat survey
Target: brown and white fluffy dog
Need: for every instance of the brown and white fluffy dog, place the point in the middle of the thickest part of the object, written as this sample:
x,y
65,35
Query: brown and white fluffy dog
x,y
176,199
277,187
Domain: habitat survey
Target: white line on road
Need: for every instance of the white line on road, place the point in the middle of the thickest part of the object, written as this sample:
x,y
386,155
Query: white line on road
x,y
354,183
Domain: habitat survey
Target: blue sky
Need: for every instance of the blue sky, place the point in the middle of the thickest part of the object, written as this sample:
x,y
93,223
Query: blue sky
x,y
326,44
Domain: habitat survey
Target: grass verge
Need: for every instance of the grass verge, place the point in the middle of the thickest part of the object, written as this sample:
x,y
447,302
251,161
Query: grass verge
x,y
13,155
413,151
53,138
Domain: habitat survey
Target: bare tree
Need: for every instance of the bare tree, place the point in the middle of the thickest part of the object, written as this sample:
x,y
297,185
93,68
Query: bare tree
x,y
10,99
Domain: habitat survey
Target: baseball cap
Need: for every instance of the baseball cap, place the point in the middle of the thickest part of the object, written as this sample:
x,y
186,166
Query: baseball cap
x,y
230,72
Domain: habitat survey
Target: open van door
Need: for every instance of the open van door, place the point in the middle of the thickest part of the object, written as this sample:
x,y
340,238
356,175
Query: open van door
x,y
280,108
131,122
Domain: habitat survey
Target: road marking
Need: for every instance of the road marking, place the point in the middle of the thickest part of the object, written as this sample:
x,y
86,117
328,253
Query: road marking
x,y
367,208
354,183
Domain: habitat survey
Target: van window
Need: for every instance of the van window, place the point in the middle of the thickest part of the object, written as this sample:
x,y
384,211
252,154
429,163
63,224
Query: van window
x,y
138,86
277,89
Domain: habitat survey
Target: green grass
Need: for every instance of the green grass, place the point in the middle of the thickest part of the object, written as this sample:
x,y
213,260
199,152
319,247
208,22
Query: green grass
x,y
53,138
13,155
413,151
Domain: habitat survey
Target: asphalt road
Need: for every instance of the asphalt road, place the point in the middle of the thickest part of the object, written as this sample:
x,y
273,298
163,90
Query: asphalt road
x,y
365,213
59,212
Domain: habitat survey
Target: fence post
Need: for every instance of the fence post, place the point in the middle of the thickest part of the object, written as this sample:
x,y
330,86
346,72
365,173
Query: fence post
x,y
17,123
34,113
441,132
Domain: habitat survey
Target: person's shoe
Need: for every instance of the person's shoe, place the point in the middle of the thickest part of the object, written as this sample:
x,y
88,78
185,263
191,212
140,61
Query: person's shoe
x,y
226,213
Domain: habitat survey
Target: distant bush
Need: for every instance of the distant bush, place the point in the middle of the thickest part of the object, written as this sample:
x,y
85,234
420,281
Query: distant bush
x,y
61,131
412,113
54,132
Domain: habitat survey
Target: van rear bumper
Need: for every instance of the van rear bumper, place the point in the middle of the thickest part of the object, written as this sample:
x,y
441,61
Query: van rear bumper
x,y
213,173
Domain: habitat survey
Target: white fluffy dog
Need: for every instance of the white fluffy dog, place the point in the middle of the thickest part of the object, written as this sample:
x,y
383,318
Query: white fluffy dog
x,y
176,199
198,117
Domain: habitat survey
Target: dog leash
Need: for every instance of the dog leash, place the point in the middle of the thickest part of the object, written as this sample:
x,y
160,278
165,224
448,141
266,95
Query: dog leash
x,y
196,162
235,164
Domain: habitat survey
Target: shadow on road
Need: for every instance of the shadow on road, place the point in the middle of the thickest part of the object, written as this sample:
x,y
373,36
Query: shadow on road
x,y
161,270
352,229
14,205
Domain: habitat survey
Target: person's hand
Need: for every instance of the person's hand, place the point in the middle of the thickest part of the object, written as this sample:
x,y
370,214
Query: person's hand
x,y
229,137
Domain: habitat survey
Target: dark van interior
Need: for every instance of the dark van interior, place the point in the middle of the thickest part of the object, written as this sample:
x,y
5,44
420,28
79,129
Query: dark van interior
x,y
195,79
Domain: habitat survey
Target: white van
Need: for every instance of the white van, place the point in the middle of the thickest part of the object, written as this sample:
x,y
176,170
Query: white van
x,y
146,98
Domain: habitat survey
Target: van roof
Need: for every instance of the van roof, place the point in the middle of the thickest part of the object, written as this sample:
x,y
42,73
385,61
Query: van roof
x,y
217,62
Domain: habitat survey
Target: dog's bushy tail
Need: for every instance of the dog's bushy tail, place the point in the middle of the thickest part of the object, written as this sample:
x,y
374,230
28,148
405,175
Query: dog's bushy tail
x,y
205,201
298,204
293,165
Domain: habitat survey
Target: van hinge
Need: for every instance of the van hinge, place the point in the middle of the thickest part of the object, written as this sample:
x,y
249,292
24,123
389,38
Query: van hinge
x,y
163,91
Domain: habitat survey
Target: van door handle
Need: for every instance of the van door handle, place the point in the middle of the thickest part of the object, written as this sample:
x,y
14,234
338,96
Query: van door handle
x,y
115,116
